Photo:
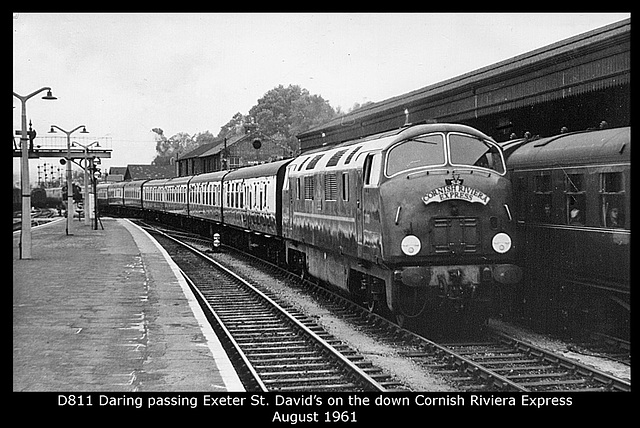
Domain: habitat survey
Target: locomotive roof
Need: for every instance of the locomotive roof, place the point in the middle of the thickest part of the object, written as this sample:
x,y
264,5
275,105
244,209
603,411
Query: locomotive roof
x,y
578,148
345,154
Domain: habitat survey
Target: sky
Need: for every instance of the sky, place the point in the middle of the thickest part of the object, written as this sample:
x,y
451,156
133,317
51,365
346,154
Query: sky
x,y
123,74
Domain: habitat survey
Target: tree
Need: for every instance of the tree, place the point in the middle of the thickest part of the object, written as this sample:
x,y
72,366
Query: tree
x,y
229,127
283,113
168,148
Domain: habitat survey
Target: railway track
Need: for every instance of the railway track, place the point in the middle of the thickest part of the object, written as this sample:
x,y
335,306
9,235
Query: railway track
x,y
605,346
274,348
37,217
497,362
528,368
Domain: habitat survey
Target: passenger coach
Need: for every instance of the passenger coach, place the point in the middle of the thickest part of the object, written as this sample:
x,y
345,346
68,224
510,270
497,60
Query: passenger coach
x,y
252,201
572,194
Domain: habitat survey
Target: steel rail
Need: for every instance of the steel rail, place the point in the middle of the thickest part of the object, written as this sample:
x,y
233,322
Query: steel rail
x,y
365,379
462,363
228,336
579,368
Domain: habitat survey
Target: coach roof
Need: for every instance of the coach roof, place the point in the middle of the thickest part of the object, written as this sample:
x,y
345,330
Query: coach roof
x,y
578,148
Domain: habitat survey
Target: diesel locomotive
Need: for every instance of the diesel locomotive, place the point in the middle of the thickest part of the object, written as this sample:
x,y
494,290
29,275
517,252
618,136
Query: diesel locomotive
x,y
415,223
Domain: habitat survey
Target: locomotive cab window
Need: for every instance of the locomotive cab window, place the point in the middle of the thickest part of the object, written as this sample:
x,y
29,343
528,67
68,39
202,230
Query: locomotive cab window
x,y
575,199
612,200
371,170
468,150
423,151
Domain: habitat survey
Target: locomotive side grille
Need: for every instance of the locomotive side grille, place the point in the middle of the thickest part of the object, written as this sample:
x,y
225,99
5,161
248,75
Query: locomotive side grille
x,y
455,235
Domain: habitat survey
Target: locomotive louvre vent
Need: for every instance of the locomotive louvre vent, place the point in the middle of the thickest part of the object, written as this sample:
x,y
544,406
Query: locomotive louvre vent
x,y
309,187
333,160
330,187
314,161
348,159
299,168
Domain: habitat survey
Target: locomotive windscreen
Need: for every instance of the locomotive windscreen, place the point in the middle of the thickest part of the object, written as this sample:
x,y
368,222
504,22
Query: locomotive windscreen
x,y
418,152
467,150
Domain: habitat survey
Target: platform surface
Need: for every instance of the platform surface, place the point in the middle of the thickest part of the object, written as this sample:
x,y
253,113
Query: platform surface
x,y
107,310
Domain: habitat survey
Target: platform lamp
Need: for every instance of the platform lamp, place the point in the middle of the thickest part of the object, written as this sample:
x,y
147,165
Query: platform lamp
x,y
25,231
69,178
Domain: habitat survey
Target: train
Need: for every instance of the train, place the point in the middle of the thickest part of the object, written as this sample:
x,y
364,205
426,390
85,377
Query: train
x,y
416,223
572,195
46,197
41,197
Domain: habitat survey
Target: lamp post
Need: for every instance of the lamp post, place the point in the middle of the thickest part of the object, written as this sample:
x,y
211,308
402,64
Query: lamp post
x,y
69,178
88,203
25,231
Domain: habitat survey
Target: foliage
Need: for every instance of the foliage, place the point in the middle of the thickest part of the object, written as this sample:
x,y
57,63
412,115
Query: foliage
x,y
177,145
281,114
237,120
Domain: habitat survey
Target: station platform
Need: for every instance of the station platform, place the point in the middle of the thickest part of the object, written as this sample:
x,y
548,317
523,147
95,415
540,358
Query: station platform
x,y
107,310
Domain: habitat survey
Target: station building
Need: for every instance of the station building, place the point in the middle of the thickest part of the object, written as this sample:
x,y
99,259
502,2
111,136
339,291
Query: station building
x,y
576,83
246,146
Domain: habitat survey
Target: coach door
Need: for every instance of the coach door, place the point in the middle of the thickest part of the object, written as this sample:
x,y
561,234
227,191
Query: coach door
x,y
359,216
367,206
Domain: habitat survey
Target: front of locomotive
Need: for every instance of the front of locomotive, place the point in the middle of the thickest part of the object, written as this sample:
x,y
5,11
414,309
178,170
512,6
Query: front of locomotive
x,y
447,222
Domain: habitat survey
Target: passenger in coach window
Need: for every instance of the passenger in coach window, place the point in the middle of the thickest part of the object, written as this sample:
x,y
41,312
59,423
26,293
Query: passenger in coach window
x,y
547,212
613,219
575,217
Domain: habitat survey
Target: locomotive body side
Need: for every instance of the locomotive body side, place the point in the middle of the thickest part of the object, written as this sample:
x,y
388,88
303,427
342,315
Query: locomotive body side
x,y
323,213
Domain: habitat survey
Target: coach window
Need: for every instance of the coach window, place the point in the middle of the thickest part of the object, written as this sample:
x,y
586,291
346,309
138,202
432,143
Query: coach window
x,y
236,192
542,208
612,200
575,199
